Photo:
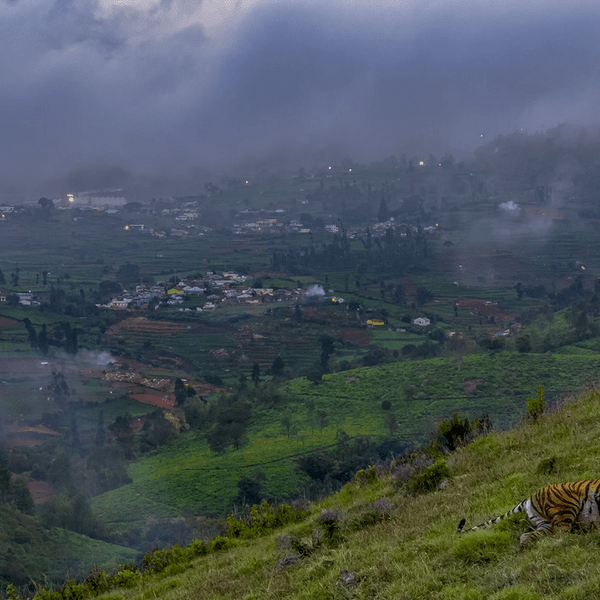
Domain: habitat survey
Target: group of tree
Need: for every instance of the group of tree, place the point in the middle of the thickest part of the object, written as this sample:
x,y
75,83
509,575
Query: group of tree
x,y
14,491
392,254
62,335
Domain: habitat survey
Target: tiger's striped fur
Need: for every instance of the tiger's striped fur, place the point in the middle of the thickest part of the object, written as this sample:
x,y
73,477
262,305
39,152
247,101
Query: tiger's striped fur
x,y
558,507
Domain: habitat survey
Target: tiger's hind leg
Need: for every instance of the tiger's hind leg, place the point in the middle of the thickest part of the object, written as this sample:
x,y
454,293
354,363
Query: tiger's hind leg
x,y
541,526
532,536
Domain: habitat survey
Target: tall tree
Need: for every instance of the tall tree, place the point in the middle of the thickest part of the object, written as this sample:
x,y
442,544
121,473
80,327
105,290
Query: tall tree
x,y
180,392
278,367
255,374
383,214
59,389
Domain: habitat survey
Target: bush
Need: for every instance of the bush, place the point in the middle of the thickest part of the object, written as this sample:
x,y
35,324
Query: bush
x,y
330,521
221,543
366,477
264,518
535,406
430,479
127,578
453,433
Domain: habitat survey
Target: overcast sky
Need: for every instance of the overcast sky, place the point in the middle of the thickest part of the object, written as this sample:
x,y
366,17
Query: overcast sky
x,y
163,86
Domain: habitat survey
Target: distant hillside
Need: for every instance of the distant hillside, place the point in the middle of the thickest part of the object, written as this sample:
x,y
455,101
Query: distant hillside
x,y
385,536
30,553
187,476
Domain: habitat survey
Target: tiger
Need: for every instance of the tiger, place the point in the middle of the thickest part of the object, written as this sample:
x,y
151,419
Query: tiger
x,y
557,507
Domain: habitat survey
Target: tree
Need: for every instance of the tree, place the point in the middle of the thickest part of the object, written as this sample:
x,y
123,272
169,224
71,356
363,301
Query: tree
x,y
2,278
315,374
453,433
327,349
12,300
59,389
121,427
45,203
278,367
42,340
383,214
180,392
128,274
5,477
424,295
523,344
255,374
316,465
21,496
536,406
32,337
519,290
108,289
71,345
249,491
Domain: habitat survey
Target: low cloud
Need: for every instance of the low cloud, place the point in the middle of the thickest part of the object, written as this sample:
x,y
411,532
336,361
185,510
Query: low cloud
x,y
166,86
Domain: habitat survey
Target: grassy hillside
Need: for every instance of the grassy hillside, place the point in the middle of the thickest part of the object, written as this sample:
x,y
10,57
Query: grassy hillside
x,y
29,553
377,539
187,475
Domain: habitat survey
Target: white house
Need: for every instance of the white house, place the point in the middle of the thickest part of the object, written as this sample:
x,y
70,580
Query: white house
x,y
421,321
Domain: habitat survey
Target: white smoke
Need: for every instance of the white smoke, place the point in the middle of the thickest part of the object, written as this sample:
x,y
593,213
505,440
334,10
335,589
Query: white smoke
x,y
511,208
91,358
314,291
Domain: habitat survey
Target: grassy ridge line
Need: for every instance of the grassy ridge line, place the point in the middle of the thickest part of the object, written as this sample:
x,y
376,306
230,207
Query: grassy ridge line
x,y
415,552
187,475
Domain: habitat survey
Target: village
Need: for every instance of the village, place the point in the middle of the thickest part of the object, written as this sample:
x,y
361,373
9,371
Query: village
x,y
215,289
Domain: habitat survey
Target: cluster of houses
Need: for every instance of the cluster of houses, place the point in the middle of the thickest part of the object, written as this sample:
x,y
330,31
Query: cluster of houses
x,y
25,298
215,289
142,297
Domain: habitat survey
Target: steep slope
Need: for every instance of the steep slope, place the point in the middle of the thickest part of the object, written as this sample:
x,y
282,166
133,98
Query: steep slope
x,y
384,537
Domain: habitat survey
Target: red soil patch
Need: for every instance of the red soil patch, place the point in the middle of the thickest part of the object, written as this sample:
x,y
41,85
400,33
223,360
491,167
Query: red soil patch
x,y
355,335
146,325
41,491
471,386
162,401
5,323
486,308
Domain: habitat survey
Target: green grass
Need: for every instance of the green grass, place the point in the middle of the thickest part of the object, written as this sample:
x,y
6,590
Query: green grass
x,y
186,475
411,550
29,553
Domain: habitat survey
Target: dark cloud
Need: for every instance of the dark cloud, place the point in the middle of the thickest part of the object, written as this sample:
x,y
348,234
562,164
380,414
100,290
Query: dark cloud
x,y
147,89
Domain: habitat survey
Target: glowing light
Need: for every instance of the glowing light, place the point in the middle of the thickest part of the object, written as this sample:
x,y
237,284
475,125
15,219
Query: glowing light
x,y
70,197
247,181
349,170
126,227
330,168
421,163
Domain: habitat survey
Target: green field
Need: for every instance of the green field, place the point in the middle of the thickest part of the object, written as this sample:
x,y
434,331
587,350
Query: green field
x,y
186,475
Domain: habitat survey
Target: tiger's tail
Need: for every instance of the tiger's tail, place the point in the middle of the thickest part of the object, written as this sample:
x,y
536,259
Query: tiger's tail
x,y
519,508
